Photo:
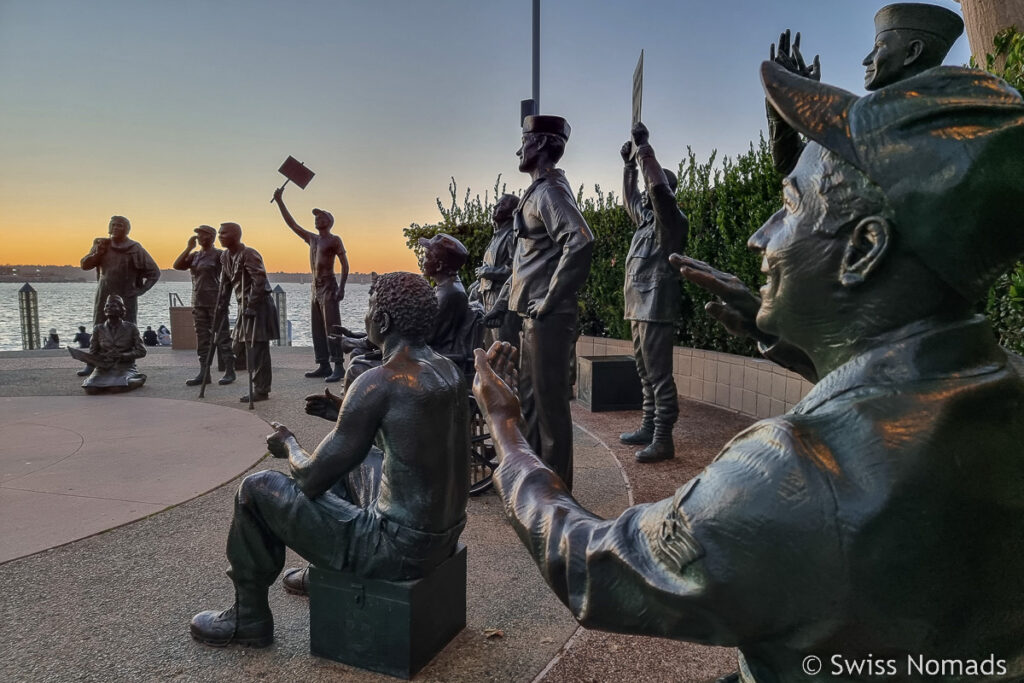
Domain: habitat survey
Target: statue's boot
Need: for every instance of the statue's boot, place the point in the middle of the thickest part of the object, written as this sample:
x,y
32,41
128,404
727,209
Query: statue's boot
x,y
229,372
203,376
324,370
86,371
248,623
643,435
338,374
296,580
661,448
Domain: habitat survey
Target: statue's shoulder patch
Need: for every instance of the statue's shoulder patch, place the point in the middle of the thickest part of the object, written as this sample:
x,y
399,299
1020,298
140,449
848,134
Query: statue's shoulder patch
x,y
673,541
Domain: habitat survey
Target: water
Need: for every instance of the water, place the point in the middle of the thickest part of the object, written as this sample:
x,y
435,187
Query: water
x,y
66,305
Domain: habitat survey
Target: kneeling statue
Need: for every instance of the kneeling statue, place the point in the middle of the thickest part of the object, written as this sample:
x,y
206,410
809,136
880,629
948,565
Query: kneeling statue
x,y
113,349
394,514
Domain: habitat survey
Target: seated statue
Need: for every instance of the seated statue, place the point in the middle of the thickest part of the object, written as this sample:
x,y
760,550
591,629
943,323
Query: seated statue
x,y
881,517
114,347
394,514
458,328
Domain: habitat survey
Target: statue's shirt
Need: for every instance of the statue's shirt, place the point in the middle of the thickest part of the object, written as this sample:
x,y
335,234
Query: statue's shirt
x,y
205,269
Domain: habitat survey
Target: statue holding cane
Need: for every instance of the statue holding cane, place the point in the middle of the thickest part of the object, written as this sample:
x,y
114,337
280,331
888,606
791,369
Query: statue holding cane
x,y
242,269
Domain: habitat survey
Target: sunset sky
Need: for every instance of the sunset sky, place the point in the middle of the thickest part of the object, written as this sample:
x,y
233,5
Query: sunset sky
x,y
179,113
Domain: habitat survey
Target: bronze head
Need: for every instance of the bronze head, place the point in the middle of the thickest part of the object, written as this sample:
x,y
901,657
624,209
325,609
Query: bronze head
x,y
401,304
544,139
910,37
443,255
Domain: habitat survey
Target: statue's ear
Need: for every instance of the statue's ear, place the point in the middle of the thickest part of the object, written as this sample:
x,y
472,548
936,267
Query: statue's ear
x,y
914,50
385,322
868,243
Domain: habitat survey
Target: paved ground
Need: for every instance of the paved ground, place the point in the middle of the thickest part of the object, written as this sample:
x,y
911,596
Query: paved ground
x,y
115,606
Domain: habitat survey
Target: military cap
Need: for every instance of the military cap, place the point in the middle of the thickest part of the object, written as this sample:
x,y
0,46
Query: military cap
x,y
206,228
554,125
452,251
946,147
330,216
939,21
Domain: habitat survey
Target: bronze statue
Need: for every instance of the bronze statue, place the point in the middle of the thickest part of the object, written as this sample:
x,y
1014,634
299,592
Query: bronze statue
x,y
553,251
651,292
496,269
205,267
880,517
123,268
458,324
910,37
256,326
114,347
324,315
392,515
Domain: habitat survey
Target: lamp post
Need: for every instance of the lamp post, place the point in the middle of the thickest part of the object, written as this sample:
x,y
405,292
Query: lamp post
x,y
28,306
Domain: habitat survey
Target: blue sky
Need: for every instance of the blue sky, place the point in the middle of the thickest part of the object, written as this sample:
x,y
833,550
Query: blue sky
x,y
179,113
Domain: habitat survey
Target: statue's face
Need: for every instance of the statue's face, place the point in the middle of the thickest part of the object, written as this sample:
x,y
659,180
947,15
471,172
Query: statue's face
x,y
118,229
529,152
373,324
113,309
503,210
801,254
322,221
884,65
229,237
205,239
433,261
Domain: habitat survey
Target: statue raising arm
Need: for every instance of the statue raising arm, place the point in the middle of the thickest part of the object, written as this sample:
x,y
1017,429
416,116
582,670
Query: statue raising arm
x,y
785,141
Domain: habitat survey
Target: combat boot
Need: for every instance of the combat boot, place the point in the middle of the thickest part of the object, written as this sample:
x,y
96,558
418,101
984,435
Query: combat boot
x,y
338,374
643,435
660,449
296,581
229,372
249,625
86,371
203,376
324,370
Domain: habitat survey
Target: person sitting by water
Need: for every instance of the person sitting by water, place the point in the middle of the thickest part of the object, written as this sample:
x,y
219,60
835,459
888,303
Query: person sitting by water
x,y
82,338
149,337
163,336
53,341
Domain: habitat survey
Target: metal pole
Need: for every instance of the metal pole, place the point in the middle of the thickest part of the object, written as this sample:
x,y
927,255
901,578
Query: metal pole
x,y
536,56
28,306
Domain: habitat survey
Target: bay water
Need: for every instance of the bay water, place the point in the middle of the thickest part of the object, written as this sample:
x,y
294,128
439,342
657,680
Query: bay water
x,y
66,305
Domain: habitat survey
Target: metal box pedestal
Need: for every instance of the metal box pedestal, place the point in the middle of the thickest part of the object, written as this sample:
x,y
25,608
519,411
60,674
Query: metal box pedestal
x,y
394,627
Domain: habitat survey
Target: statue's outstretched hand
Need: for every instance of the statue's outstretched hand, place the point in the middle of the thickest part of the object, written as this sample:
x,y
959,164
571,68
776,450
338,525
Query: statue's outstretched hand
x,y
788,56
497,380
736,307
275,441
325,405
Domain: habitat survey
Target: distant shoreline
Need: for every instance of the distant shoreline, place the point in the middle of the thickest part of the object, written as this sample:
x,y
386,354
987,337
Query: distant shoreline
x,y
37,273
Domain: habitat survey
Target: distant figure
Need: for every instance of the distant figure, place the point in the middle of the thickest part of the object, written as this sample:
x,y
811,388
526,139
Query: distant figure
x,y
496,269
163,336
82,338
149,337
123,267
327,292
113,350
53,341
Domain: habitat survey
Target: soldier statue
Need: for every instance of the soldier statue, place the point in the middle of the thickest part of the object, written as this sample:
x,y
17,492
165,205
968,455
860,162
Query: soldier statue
x,y
880,517
651,292
205,267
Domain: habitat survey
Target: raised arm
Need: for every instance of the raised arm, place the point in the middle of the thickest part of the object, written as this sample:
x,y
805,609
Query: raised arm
x,y
670,223
95,255
182,262
630,192
287,216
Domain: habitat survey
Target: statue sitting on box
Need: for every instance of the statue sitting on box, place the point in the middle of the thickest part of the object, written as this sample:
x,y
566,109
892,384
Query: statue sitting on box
x,y
879,518
114,347
394,514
